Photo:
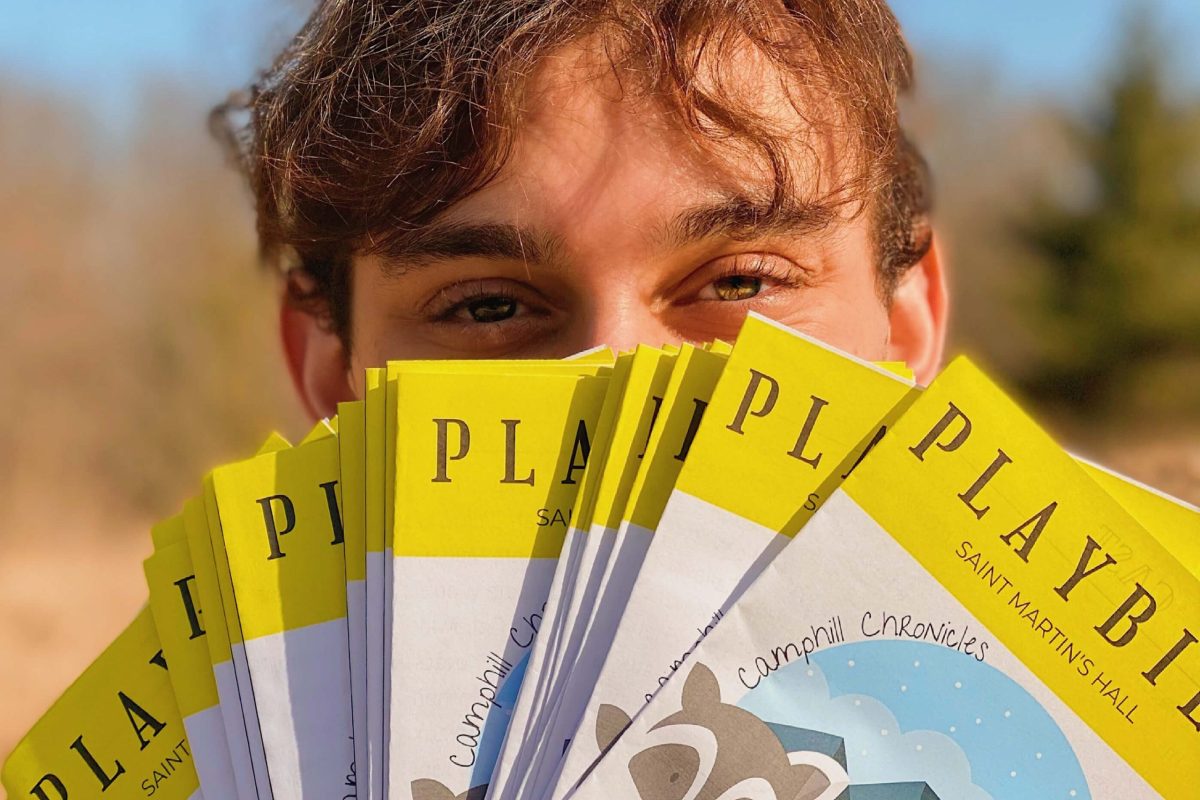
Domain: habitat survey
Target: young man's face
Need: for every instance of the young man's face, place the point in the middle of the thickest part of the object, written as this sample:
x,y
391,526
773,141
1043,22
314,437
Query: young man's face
x,y
609,226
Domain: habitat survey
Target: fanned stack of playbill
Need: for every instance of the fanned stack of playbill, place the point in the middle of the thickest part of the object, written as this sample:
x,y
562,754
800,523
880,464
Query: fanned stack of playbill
x,y
765,571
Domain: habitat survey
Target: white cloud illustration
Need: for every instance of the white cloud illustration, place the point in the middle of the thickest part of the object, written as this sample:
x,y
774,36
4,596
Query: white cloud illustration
x,y
876,750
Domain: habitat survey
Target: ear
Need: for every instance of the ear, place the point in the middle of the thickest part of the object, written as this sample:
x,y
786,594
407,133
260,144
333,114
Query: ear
x,y
425,789
701,689
316,358
611,722
917,317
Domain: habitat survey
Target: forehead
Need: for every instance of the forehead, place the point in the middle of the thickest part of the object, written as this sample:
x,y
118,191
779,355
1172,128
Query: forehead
x,y
592,146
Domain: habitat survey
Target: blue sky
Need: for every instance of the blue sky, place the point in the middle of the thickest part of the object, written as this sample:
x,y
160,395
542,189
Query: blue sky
x,y
102,49
1054,47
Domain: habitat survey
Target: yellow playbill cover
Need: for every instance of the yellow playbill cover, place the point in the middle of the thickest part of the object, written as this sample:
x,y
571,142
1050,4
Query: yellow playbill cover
x,y
630,411
380,409
281,527
1064,577
532,672
685,399
485,460
1174,523
755,571
371,774
352,460
223,636
179,619
674,420
969,616
787,421
115,733
241,728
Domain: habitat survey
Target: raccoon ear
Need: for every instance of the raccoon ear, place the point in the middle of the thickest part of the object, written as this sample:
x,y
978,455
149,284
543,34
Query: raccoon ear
x,y
701,689
611,722
425,789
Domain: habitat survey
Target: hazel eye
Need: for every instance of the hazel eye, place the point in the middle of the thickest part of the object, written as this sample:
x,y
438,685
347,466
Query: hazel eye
x,y
491,309
737,287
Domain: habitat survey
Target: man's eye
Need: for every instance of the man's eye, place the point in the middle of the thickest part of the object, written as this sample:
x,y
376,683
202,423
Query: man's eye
x,y
488,318
737,287
743,278
489,309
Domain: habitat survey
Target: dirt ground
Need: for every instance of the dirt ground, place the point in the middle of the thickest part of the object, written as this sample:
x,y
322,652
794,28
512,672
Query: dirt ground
x,y
63,598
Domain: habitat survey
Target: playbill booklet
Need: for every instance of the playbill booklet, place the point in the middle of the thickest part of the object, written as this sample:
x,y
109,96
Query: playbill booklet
x,y
481,510
787,420
762,571
968,616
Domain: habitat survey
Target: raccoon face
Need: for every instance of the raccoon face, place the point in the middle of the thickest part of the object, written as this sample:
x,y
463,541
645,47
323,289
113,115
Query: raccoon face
x,y
678,771
665,771
711,750
675,764
674,771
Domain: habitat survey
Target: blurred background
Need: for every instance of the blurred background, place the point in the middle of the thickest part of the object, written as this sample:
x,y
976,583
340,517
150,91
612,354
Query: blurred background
x,y
137,333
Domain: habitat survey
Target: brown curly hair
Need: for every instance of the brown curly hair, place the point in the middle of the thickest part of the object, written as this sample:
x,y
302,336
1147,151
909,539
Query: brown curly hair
x,y
382,114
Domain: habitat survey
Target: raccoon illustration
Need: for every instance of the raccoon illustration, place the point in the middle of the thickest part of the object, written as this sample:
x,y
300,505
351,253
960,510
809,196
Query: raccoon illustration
x,y
425,789
716,751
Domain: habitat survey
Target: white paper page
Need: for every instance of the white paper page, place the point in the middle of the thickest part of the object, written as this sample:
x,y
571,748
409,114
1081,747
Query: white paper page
x,y
244,694
629,551
597,548
236,734
520,741
302,685
210,752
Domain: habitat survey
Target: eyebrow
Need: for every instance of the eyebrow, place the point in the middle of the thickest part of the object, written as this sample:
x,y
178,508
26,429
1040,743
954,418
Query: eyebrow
x,y
740,217
450,240
735,217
